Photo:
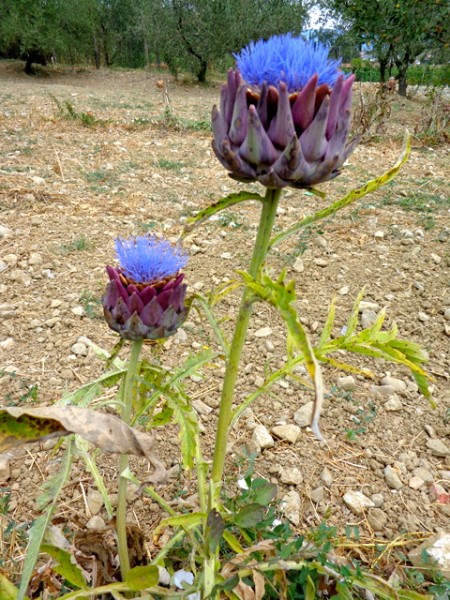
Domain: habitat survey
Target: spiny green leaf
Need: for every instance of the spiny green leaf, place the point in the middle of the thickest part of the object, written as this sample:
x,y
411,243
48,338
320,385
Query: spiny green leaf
x,y
53,488
207,309
351,197
221,204
88,457
84,395
353,318
328,328
186,418
66,565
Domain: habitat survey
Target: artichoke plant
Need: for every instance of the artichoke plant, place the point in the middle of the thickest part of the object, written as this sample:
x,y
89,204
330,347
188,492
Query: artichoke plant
x,y
145,297
284,115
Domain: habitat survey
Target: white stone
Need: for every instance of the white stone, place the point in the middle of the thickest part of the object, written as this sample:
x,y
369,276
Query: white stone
x,y
78,311
357,502
94,501
288,432
95,522
415,483
346,383
298,265
368,318
290,505
79,349
438,448
5,472
263,332
262,437
35,259
366,305
436,258
5,231
291,476
398,384
303,415
438,548
6,343
392,479
327,477
394,404
201,407
3,266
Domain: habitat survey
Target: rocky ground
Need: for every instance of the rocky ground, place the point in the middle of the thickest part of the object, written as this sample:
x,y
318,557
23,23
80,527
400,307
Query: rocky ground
x,y
86,156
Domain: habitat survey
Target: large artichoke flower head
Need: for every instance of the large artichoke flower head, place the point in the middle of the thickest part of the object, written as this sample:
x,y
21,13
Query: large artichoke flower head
x,y
284,114
145,295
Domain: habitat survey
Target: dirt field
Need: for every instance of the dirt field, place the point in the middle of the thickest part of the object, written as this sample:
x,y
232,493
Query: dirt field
x,y
86,156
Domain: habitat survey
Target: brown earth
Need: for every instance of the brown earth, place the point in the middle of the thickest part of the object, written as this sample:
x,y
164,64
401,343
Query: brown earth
x,y
133,160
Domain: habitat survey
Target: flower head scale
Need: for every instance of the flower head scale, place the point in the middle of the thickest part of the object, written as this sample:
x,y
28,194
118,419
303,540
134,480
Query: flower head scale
x,y
146,258
284,120
145,297
288,59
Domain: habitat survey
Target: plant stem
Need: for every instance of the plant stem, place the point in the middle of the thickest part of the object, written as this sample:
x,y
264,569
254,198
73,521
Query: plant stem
x,y
266,222
127,405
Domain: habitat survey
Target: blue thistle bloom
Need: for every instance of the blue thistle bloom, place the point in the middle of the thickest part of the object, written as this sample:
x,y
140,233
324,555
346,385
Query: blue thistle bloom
x,y
147,259
288,59
145,297
284,114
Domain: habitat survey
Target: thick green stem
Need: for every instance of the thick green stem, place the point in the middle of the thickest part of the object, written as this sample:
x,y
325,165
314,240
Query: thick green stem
x,y
127,405
266,222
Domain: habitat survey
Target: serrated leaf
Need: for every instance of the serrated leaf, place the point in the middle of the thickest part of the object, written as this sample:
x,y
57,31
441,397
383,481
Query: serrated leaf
x,y
139,578
351,197
162,417
52,490
249,515
186,418
221,204
339,364
371,332
84,395
88,457
354,315
67,566
207,309
328,327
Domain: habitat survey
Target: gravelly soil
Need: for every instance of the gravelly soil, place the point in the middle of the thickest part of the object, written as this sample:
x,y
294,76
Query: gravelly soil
x,y
67,190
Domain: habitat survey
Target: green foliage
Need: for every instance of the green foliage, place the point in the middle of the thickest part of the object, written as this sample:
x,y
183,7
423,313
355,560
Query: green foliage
x,y
396,32
47,503
79,244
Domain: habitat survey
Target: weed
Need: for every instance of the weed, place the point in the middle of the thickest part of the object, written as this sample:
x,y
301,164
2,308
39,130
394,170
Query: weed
x,y
22,390
79,244
91,305
170,165
66,110
148,226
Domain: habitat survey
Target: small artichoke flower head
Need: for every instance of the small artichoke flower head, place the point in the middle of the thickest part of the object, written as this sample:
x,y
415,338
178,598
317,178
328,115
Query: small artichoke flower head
x,y
145,295
284,114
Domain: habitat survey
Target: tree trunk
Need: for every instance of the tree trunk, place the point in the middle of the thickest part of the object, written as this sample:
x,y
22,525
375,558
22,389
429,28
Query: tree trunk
x,y
402,83
96,51
201,73
146,52
383,68
29,65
